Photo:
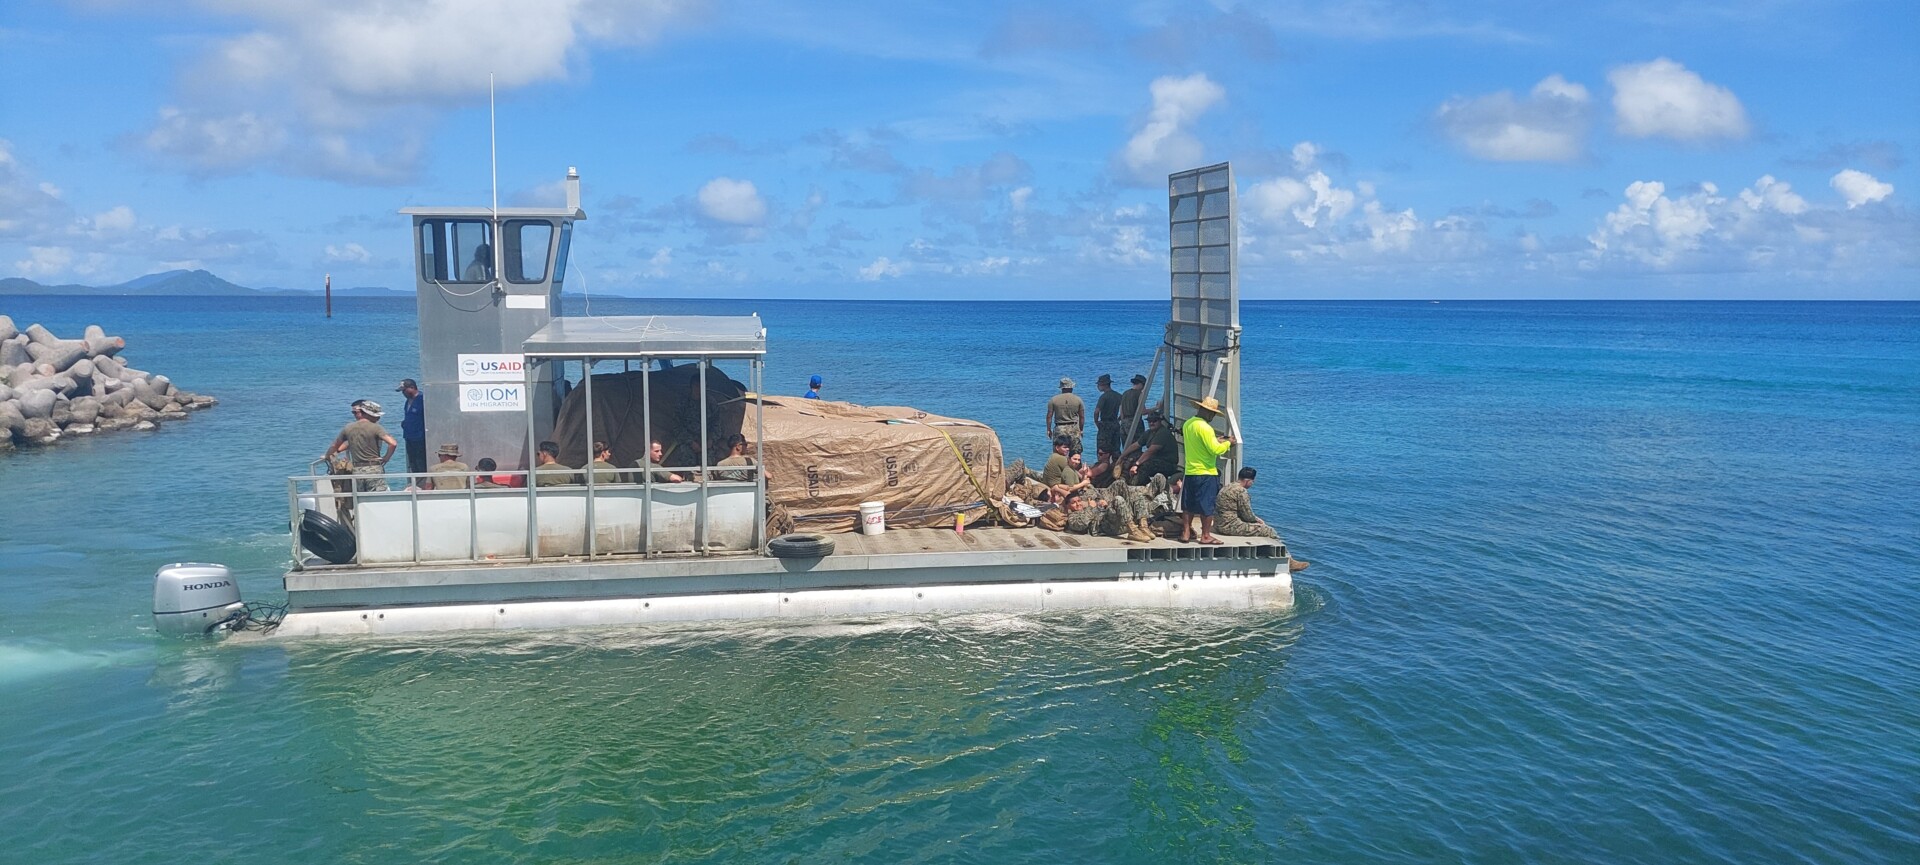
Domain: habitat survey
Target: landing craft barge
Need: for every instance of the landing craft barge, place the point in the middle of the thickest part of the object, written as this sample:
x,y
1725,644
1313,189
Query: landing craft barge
x,y
686,538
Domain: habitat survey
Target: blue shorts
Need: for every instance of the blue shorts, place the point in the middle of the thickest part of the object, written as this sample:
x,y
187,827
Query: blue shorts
x,y
1200,494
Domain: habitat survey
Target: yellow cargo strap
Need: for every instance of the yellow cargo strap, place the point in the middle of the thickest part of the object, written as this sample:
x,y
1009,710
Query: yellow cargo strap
x,y
993,511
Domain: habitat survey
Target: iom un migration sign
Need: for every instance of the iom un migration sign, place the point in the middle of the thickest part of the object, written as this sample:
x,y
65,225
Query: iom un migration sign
x,y
493,382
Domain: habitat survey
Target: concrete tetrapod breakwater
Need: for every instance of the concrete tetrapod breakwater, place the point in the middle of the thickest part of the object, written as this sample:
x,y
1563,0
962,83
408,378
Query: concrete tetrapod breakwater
x,y
52,387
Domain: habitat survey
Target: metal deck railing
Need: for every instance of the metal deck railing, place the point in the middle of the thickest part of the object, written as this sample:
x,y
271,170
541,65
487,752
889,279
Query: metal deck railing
x,y
340,496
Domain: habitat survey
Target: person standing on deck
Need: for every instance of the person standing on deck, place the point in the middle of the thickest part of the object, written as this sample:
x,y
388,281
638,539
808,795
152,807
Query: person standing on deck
x,y
1200,491
413,426
813,388
449,462
1106,417
1130,406
1066,414
361,440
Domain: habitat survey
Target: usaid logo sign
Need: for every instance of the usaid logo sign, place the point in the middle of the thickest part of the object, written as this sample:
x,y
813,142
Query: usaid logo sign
x,y
493,367
493,397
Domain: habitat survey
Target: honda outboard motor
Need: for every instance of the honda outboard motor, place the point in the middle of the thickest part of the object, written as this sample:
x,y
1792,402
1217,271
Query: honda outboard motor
x,y
190,597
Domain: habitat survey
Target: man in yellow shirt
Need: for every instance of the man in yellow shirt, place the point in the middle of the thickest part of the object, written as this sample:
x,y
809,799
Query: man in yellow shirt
x,y
1200,492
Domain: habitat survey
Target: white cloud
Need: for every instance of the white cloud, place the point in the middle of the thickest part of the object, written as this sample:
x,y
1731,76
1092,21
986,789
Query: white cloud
x,y
1654,227
991,265
212,142
1163,144
116,220
1663,99
1776,195
1859,187
1766,227
1307,200
343,89
351,253
1019,197
1389,231
1548,125
735,202
657,265
44,261
881,267
1304,155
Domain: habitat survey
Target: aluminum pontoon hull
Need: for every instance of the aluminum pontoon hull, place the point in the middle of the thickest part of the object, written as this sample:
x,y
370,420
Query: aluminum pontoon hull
x,y
916,571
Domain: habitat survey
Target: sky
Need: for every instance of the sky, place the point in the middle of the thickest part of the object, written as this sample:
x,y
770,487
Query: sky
x,y
864,149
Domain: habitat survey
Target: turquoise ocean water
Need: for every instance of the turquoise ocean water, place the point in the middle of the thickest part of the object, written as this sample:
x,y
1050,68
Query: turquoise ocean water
x,y
1593,582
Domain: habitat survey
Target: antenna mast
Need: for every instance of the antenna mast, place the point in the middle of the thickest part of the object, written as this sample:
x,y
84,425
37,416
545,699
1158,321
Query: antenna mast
x,y
493,145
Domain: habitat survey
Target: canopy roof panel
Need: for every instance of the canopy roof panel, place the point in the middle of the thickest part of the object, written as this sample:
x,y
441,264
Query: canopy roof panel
x,y
575,214
670,336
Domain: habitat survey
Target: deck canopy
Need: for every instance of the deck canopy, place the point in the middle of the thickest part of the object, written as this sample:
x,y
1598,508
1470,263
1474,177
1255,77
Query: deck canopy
x,y
665,336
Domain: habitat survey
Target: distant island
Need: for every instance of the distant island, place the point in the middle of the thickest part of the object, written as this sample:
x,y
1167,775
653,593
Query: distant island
x,y
181,283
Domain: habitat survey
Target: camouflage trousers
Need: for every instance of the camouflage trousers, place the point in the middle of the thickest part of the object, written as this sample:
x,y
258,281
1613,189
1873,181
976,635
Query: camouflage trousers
x,y
1142,496
1109,516
1228,524
375,484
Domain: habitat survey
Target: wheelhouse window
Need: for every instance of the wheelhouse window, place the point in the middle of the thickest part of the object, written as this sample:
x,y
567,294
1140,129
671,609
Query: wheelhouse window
x,y
528,243
456,250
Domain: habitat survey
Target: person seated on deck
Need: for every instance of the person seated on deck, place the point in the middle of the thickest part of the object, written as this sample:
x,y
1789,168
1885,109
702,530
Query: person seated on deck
x,y
736,456
550,471
1102,472
1060,476
486,481
1089,513
481,268
1160,456
604,471
656,453
449,462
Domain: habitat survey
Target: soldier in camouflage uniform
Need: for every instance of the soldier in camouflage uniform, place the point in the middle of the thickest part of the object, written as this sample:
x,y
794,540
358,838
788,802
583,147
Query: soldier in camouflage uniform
x,y
1102,513
1234,514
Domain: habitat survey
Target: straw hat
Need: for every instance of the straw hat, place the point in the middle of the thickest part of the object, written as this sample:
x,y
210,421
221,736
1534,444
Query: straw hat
x,y
1208,404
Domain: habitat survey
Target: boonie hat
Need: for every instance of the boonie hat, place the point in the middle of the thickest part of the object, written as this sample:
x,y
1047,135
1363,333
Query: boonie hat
x,y
406,383
1139,379
1065,382
1104,379
450,450
370,408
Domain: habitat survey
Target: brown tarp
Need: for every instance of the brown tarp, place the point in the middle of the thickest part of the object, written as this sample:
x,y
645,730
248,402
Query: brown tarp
x,y
823,457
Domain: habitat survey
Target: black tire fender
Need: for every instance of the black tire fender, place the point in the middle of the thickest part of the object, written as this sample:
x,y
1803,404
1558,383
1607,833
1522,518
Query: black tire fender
x,y
327,538
800,546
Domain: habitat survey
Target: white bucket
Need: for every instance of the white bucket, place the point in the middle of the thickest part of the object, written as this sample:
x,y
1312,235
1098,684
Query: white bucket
x,y
873,517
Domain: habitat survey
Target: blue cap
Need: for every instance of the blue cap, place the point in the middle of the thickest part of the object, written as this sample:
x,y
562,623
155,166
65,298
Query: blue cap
x,y
813,382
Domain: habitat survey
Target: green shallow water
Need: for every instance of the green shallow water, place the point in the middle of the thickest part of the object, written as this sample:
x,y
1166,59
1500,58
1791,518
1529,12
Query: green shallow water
x,y
895,740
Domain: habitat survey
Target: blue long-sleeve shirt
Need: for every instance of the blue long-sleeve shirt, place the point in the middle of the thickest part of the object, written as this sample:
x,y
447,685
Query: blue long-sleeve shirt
x,y
413,425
